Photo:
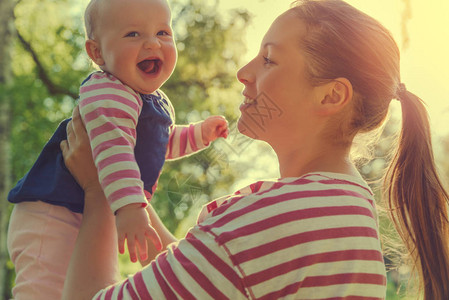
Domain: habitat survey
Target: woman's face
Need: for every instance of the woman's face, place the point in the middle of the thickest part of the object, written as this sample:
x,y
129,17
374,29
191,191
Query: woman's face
x,y
278,97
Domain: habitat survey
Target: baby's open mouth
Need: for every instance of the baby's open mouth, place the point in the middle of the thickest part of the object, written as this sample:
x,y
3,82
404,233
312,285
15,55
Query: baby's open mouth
x,y
150,66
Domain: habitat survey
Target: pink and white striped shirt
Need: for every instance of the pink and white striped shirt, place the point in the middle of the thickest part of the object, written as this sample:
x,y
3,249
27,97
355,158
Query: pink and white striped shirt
x,y
110,110
313,237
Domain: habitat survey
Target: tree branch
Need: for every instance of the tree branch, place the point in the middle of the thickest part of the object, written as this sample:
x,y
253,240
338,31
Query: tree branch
x,y
406,16
53,88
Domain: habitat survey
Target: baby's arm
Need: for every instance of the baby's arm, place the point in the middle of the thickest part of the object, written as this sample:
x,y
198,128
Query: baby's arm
x,y
186,140
110,111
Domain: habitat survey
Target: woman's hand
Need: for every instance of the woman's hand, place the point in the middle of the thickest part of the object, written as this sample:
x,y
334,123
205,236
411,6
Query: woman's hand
x,y
78,155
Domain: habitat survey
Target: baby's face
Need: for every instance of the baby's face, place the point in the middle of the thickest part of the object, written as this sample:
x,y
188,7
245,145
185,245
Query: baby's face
x,y
136,42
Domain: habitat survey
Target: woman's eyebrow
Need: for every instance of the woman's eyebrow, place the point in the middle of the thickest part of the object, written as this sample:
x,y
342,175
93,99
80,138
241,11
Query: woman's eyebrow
x,y
275,46
270,44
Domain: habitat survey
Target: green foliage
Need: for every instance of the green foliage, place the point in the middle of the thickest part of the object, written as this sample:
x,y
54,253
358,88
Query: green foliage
x,y
47,51
35,115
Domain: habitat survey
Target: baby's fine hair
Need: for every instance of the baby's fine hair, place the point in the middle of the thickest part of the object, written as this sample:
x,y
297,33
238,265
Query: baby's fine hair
x,y
90,17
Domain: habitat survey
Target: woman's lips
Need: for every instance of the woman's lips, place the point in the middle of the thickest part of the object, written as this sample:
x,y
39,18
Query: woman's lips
x,y
248,100
247,103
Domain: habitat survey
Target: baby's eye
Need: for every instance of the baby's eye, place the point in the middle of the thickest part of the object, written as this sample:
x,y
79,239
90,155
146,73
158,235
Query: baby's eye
x,y
132,34
163,32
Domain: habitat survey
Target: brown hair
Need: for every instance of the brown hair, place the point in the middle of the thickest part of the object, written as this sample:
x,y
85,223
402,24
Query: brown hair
x,y
341,41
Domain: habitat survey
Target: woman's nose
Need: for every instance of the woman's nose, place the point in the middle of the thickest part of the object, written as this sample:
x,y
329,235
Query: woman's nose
x,y
244,75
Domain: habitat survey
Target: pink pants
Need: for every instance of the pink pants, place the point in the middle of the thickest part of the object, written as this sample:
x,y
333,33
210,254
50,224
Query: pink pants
x,y
41,238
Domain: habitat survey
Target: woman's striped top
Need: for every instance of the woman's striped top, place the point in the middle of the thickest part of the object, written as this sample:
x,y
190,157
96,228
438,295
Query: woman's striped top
x,y
313,237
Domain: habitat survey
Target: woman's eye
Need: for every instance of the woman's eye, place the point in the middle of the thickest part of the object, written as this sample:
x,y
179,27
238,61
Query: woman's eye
x,y
267,60
132,34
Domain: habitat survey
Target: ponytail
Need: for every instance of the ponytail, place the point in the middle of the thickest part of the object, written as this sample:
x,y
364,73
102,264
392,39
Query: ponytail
x,y
417,201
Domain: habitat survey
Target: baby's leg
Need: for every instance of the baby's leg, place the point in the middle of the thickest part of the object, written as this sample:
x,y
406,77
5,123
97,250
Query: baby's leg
x,y
41,238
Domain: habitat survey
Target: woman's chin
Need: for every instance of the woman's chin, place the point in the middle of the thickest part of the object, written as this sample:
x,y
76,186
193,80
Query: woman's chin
x,y
245,129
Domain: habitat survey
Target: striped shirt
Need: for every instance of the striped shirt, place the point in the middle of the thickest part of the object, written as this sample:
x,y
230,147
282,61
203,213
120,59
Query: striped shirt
x,y
313,237
110,111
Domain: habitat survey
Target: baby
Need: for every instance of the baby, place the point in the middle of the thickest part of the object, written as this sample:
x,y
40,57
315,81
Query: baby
x,y
130,123
133,42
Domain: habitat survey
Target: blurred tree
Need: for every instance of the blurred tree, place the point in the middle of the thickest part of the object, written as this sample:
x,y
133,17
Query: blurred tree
x,y
210,46
48,65
6,36
405,18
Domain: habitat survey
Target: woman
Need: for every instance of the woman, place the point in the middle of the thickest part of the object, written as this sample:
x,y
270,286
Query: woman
x,y
312,234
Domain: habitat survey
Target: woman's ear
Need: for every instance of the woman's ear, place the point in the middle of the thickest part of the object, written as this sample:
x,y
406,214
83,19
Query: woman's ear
x,y
338,93
94,52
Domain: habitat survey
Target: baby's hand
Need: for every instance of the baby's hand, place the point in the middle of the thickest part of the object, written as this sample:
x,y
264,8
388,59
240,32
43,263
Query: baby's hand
x,y
214,127
133,224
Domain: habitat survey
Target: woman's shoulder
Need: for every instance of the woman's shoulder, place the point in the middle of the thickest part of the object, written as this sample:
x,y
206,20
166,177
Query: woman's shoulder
x,y
337,180
306,181
276,193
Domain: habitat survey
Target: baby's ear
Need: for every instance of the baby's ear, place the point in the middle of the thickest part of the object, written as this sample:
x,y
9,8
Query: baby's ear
x,y
94,52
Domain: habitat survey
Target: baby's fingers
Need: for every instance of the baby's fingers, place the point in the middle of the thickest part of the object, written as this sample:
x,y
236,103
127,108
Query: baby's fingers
x,y
154,237
121,244
223,131
142,247
132,248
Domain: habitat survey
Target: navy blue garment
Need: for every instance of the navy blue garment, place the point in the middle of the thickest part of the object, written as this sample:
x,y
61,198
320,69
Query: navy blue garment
x,y
49,181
